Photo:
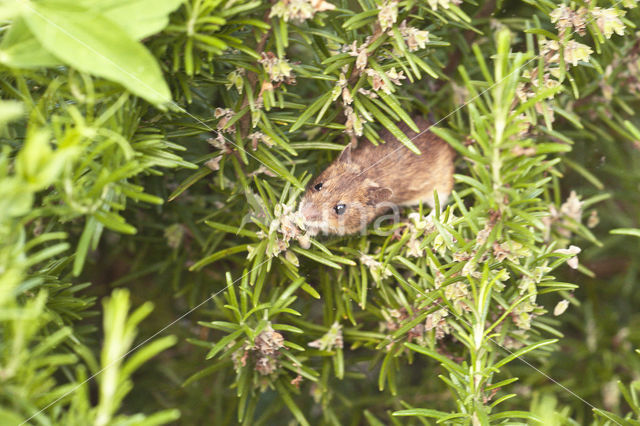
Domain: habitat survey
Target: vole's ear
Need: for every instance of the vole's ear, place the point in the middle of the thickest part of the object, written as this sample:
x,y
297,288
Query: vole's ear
x,y
345,155
375,195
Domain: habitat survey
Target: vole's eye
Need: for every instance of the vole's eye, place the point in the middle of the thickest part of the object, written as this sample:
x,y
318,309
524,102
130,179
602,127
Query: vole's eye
x,y
340,208
318,186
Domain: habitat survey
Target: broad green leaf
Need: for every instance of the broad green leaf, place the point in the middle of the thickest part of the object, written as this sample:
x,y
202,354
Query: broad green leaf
x,y
92,43
21,49
11,418
10,111
138,18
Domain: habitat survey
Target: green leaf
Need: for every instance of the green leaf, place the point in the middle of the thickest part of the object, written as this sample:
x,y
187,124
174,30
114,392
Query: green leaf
x,y
195,177
138,18
446,362
218,255
309,111
290,403
114,222
389,125
83,245
635,232
10,111
10,417
320,258
515,414
397,108
205,372
423,412
146,351
92,43
520,352
160,418
265,157
357,20
14,199
231,229
615,418
224,342
21,49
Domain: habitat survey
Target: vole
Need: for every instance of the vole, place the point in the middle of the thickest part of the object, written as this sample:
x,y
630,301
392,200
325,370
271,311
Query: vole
x,y
365,181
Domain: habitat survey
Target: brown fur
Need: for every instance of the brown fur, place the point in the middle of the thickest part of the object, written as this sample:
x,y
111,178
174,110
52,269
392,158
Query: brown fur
x,y
369,178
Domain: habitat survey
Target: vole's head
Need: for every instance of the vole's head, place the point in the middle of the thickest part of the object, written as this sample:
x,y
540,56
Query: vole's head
x,y
341,201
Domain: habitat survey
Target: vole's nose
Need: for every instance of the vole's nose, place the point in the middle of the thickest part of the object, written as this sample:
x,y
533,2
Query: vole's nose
x,y
310,213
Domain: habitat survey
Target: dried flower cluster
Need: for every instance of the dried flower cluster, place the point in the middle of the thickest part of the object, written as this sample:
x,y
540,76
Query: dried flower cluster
x,y
565,220
298,11
331,339
388,14
214,163
378,270
437,322
457,294
418,226
236,79
224,115
573,251
256,137
220,141
510,250
355,123
607,20
287,224
565,51
416,39
444,4
278,69
379,80
359,52
567,20
265,351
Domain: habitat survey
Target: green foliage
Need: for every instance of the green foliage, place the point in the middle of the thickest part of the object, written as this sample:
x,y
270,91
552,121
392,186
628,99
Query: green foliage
x,y
162,146
99,38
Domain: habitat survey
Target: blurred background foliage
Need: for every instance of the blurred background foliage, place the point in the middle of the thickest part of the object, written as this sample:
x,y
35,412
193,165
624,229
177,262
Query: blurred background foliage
x,y
153,269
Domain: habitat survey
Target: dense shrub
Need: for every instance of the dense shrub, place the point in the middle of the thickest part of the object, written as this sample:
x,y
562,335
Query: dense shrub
x,y
152,269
